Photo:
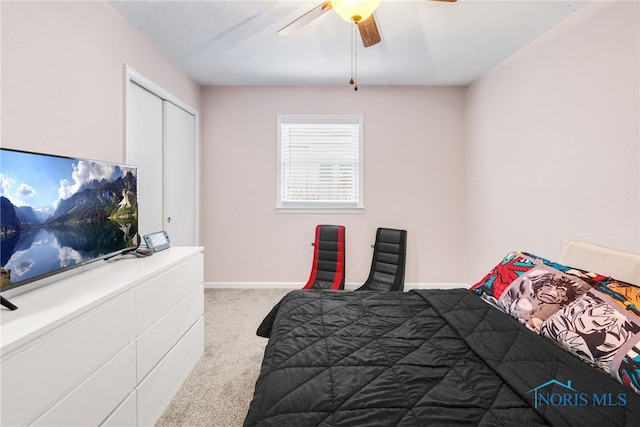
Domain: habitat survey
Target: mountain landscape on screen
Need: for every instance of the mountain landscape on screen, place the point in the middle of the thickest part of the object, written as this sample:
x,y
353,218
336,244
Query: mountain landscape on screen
x,y
58,213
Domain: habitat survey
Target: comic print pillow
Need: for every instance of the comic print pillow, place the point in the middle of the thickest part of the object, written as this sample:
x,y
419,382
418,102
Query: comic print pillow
x,y
512,266
602,329
539,293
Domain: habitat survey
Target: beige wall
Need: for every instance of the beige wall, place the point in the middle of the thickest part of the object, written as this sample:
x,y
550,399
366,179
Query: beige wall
x,y
413,179
553,149
63,73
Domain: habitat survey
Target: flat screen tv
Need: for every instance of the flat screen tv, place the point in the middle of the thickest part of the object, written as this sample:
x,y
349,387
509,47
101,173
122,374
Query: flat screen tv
x,y
59,213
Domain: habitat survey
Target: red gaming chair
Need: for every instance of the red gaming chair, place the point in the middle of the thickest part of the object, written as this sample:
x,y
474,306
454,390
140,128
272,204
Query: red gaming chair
x,y
327,271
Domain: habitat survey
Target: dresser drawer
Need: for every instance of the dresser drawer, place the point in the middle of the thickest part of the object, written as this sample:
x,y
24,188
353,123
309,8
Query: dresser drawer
x,y
160,293
34,378
157,389
93,400
158,339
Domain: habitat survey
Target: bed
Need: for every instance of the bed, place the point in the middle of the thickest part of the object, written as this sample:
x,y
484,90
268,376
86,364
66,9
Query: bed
x,y
534,342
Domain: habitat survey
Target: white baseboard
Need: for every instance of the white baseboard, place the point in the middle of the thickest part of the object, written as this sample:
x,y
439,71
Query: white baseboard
x,y
253,285
296,285
409,286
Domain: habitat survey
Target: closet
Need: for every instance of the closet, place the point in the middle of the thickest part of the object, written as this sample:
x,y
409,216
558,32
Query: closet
x,y
162,141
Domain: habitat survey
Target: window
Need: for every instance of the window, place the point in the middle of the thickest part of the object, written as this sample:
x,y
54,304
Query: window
x,y
319,163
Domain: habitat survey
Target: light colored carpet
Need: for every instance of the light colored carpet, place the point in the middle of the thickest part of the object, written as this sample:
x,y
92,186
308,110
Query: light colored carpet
x,y
220,387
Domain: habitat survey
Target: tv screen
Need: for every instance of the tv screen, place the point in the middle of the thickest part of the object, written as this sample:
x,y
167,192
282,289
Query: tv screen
x,y
59,213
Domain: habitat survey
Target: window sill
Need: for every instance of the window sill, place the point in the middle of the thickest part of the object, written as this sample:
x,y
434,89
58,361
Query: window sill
x,y
316,210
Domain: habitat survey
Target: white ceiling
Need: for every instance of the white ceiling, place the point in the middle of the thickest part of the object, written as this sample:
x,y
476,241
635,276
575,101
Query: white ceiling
x,y
423,42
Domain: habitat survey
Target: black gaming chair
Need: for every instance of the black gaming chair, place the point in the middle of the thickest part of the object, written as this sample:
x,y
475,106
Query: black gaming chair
x,y
389,259
327,271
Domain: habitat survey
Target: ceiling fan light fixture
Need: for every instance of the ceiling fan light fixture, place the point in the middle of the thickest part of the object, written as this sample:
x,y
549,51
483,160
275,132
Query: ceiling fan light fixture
x,y
355,10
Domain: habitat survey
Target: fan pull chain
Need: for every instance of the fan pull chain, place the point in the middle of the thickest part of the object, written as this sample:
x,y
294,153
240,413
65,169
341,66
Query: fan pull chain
x,y
355,55
351,81
354,58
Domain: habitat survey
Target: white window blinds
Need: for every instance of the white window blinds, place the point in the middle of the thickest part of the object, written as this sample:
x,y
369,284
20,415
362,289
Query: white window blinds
x,y
319,162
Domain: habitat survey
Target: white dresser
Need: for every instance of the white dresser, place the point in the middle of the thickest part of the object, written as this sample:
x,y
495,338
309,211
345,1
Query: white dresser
x,y
108,346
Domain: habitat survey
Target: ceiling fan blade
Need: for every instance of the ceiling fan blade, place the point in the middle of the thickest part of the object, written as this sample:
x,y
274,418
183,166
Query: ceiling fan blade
x,y
369,31
303,20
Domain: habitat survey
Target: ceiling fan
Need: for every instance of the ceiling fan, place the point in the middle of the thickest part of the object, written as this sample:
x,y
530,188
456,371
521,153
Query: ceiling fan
x,y
359,12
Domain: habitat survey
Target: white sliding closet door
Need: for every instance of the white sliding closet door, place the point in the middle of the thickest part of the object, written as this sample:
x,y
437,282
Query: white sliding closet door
x,y
180,163
144,150
162,143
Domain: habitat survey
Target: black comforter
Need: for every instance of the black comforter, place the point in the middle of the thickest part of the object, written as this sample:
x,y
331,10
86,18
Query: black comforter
x,y
337,358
